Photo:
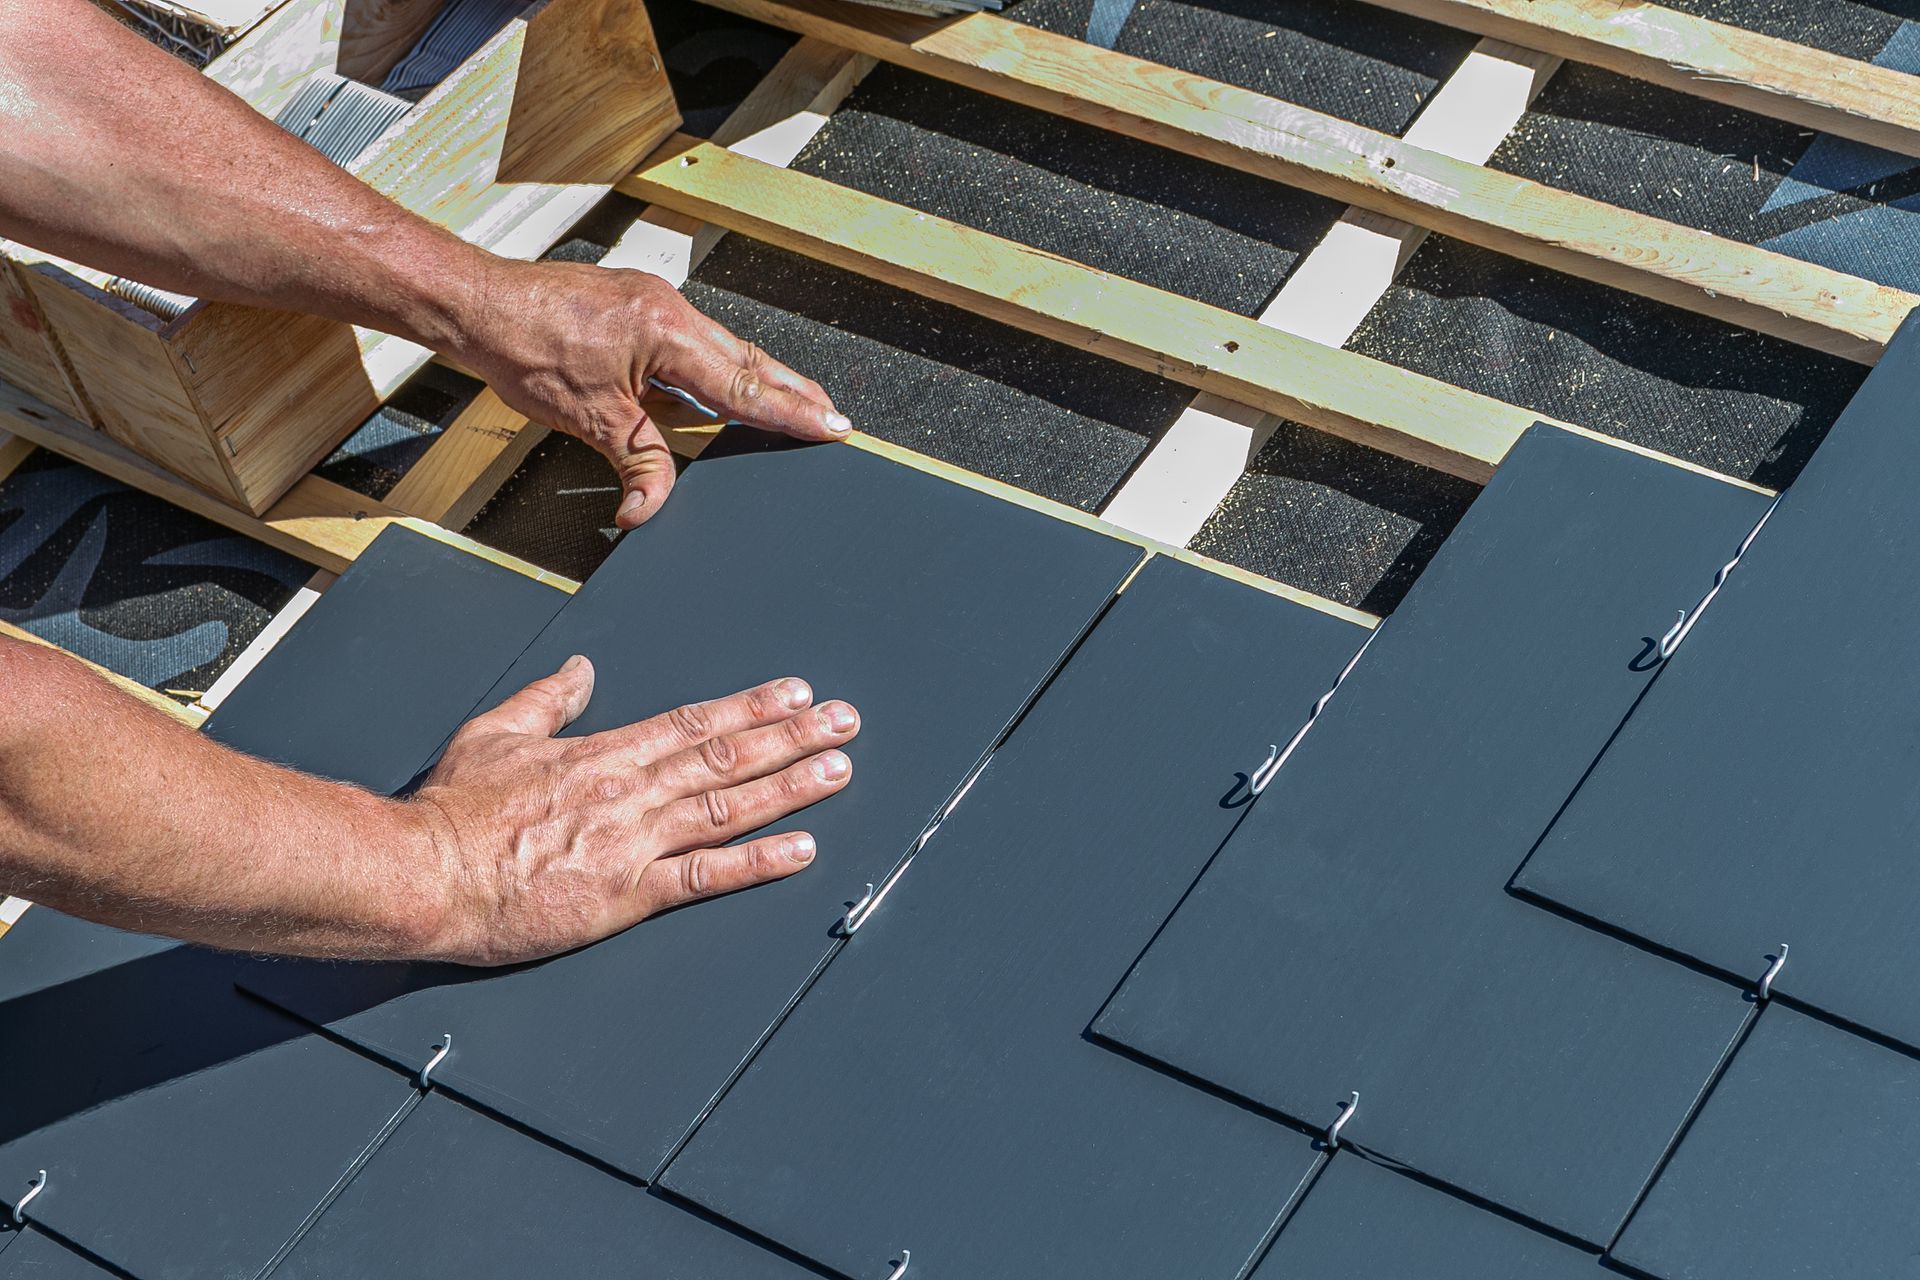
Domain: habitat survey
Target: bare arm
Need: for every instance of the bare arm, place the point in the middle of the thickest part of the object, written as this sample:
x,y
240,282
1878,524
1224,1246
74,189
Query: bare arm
x,y
520,845
116,155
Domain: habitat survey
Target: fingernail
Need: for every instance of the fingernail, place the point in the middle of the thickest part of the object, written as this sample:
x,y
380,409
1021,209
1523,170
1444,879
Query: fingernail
x,y
800,849
795,694
630,505
839,424
572,664
838,717
831,766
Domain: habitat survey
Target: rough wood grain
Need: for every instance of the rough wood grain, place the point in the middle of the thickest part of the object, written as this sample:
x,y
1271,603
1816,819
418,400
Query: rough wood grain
x,y
1762,74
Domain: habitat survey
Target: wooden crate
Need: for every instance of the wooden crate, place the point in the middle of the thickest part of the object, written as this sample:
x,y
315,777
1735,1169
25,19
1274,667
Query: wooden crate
x,y
509,151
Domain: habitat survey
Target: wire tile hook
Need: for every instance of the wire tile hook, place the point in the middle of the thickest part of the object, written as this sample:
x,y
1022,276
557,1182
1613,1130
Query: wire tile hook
x,y
900,1267
439,1055
34,1188
856,914
1347,1108
1264,774
1763,992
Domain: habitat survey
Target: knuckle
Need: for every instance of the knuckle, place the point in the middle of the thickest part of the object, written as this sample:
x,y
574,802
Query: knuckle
x,y
720,755
693,722
799,732
719,809
745,382
696,873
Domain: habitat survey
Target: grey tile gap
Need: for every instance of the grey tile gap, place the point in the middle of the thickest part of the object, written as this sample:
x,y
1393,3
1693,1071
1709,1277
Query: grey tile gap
x,y
333,1193
1686,1121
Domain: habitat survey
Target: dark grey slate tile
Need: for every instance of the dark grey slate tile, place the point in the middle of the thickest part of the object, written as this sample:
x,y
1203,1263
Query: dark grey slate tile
x,y
39,1257
935,1090
935,609
376,674
186,1130
45,948
1364,1220
1355,933
454,1195
1763,793
1801,1164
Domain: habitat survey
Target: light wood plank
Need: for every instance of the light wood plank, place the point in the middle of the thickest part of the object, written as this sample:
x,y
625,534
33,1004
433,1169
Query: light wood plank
x,y
1193,466
1763,74
1741,284
319,521
470,459
1202,346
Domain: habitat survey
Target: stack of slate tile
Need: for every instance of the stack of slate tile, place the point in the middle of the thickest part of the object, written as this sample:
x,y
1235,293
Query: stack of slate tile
x,y
1482,980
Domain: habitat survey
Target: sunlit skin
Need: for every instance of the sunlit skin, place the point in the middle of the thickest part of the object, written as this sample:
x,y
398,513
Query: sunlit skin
x,y
521,844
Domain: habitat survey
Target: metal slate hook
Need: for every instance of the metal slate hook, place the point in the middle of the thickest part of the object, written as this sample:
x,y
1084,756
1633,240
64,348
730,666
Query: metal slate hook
x,y
1347,1108
1264,774
439,1055
856,914
33,1189
900,1268
1764,990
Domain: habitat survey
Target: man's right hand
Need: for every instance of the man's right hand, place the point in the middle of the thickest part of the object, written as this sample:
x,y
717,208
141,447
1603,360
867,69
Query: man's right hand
x,y
549,843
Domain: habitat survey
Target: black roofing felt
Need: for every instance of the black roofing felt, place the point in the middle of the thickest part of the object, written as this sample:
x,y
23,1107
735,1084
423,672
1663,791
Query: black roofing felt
x,y
424,628
1764,792
936,610
1801,1164
39,1257
1388,63
1355,933
187,1131
938,1076
455,1195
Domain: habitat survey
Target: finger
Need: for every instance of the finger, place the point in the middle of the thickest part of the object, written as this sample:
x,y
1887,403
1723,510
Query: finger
x,y
646,468
544,707
726,812
739,380
703,873
640,744
731,758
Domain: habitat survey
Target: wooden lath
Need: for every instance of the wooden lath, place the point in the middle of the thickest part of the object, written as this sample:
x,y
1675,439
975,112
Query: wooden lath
x,y
1759,73
1206,347
1741,284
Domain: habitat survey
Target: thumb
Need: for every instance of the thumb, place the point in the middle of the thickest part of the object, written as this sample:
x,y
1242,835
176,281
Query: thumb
x,y
546,706
646,470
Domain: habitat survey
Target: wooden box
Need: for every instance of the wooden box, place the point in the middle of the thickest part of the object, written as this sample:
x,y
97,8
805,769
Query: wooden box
x,y
509,150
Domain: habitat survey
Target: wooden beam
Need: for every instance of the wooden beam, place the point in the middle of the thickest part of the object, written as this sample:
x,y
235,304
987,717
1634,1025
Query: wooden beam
x,y
1763,74
469,461
322,523
1741,284
1202,346
1193,466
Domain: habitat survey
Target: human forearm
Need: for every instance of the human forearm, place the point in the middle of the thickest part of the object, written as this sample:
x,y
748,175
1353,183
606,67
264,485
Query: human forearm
x,y
518,845
112,811
157,173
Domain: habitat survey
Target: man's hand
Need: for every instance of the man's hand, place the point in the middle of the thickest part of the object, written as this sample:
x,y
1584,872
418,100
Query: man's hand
x,y
157,173
549,843
572,346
